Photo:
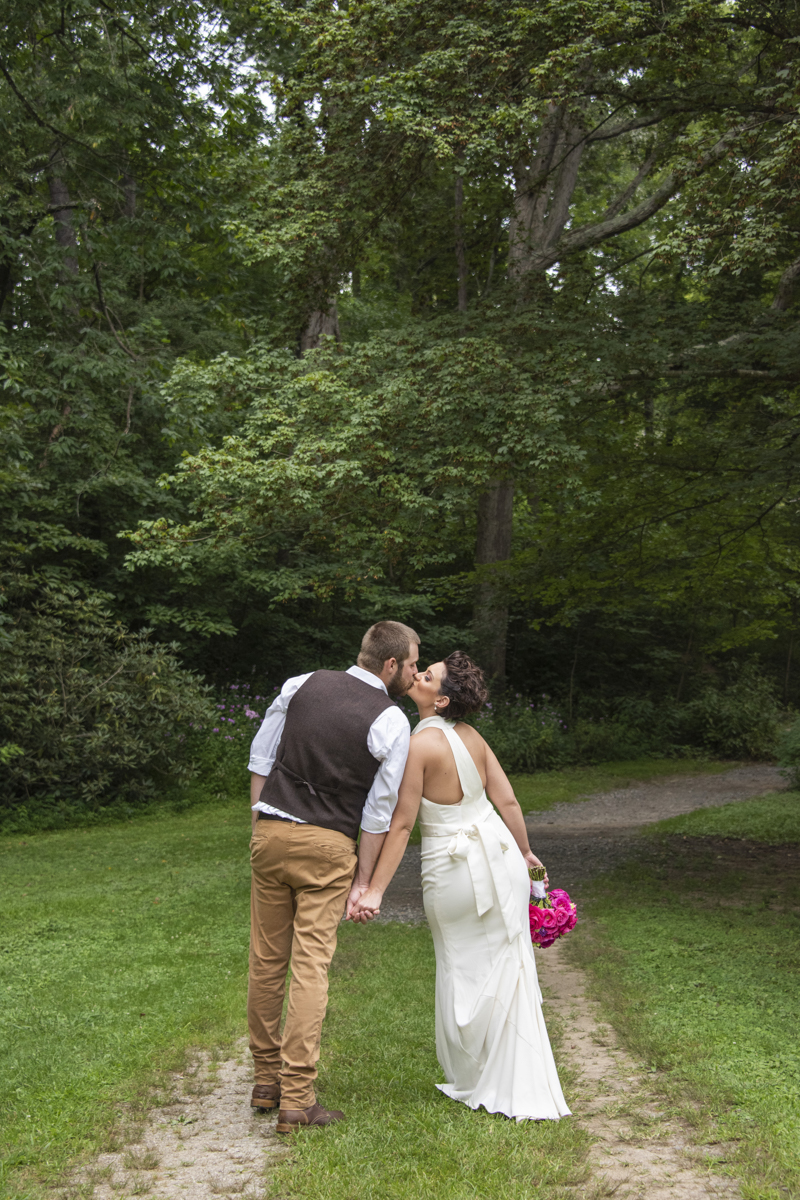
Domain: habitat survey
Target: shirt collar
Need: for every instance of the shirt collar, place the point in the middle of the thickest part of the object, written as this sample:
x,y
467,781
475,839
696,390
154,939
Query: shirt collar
x,y
367,677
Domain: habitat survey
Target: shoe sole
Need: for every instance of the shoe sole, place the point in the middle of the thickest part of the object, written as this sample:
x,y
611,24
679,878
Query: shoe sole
x,y
264,1103
283,1127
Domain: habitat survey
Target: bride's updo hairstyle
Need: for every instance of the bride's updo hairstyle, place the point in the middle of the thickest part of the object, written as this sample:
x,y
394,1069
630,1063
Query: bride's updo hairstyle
x,y
464,685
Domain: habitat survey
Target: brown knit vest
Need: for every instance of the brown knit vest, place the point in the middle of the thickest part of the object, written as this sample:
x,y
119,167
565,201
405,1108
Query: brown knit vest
x,y
323,770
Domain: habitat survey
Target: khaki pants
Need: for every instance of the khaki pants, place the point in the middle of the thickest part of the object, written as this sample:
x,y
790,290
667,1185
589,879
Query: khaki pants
x,y
301,876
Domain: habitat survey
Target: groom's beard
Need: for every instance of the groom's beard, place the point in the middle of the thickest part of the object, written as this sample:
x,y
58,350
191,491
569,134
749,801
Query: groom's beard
x,y
396,687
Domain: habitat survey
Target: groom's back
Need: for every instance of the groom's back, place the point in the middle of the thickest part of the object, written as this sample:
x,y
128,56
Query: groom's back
x,y
323,768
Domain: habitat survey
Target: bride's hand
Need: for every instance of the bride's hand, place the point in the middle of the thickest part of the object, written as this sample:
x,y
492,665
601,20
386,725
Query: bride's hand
x,y
367,906
532,861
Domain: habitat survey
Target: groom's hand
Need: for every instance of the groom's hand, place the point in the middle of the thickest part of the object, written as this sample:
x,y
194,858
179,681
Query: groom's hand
x,y
356,892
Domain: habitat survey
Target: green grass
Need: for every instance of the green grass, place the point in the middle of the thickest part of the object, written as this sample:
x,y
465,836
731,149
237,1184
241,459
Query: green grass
x,y
695,951
120,947
773,819
546,788
402,1139
123,945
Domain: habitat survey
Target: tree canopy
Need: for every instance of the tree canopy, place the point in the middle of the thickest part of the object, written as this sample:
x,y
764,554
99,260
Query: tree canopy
x,y
481,317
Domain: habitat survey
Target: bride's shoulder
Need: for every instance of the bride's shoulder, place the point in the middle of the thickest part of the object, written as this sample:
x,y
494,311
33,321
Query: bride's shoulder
x,y
430,734
469,734
426,741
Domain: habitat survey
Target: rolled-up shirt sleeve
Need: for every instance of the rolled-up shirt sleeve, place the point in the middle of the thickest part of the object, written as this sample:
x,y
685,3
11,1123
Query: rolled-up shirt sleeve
x,y
387,741
265,744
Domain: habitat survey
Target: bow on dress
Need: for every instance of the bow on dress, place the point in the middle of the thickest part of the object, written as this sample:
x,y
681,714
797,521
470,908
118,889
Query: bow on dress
x,y
483,850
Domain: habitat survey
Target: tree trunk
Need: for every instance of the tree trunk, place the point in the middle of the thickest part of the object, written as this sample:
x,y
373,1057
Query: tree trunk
x,y
129,196
545,182
572,672
649,420
61,208
543,194
6,289
320,324
490,616
461,251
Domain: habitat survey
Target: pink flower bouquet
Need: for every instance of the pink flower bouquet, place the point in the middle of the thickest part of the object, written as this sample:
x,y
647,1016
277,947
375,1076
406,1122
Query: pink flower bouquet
x,y
551,914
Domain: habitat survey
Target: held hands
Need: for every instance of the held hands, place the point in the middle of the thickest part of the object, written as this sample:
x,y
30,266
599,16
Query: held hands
x,y
366,907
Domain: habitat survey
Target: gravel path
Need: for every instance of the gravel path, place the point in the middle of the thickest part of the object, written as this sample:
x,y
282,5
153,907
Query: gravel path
x,y
206,1143
584,837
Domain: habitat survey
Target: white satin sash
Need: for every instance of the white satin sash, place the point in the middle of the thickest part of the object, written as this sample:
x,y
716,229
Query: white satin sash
x,y
477,838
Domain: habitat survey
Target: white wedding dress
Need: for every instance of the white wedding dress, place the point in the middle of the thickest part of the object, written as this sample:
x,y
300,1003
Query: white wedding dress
x,y
491,1039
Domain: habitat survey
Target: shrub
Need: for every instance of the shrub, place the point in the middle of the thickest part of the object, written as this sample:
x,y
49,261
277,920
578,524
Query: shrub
x,y
525,735
99,714
738,721
788,754
222,750
607,740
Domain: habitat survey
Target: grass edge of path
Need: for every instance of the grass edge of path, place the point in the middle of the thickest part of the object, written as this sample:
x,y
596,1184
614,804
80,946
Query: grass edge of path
x,y
638,1005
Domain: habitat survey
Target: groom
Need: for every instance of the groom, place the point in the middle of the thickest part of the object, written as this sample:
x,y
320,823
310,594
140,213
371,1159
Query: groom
x,y
328,758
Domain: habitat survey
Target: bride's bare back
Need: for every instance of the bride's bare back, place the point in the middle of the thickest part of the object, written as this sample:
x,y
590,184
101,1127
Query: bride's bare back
x,y
440,783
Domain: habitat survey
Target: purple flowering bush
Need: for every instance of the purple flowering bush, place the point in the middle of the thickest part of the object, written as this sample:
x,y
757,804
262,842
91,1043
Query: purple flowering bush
x,y
223,747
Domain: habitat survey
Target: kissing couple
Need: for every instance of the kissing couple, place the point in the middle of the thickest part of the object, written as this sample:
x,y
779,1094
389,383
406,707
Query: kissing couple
x,y
334,758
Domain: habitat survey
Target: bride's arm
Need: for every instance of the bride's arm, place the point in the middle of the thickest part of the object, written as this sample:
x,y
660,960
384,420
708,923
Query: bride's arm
x,y
502,797
394,847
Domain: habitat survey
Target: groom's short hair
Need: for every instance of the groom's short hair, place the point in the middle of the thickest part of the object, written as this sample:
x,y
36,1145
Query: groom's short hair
x,y
385,640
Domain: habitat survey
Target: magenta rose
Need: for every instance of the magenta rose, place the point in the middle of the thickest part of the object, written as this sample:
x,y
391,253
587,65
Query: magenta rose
x,y
535,917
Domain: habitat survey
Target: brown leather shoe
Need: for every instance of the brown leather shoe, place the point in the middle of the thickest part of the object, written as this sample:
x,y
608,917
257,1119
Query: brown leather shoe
x,y
266,1095
291,1119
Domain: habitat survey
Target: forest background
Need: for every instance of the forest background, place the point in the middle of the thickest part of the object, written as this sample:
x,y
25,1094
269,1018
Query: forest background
x,y
478,316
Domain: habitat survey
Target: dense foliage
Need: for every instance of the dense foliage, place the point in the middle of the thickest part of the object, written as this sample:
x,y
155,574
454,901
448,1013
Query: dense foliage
x,y
479,317
99,715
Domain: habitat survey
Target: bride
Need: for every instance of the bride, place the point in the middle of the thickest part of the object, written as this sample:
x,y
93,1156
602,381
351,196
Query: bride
x,y
491,1039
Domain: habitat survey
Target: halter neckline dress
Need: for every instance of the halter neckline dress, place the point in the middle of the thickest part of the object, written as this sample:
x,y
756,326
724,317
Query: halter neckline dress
x,y
491,1039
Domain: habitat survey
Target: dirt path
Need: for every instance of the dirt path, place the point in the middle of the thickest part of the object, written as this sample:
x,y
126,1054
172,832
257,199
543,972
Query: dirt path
x,y
638,1152
580,839
208,1143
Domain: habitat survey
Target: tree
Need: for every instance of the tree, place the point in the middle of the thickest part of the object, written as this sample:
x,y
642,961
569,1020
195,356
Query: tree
x,y
112,260
602,115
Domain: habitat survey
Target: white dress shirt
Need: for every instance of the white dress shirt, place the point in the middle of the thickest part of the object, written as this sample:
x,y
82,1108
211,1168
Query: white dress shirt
x,y
387,741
